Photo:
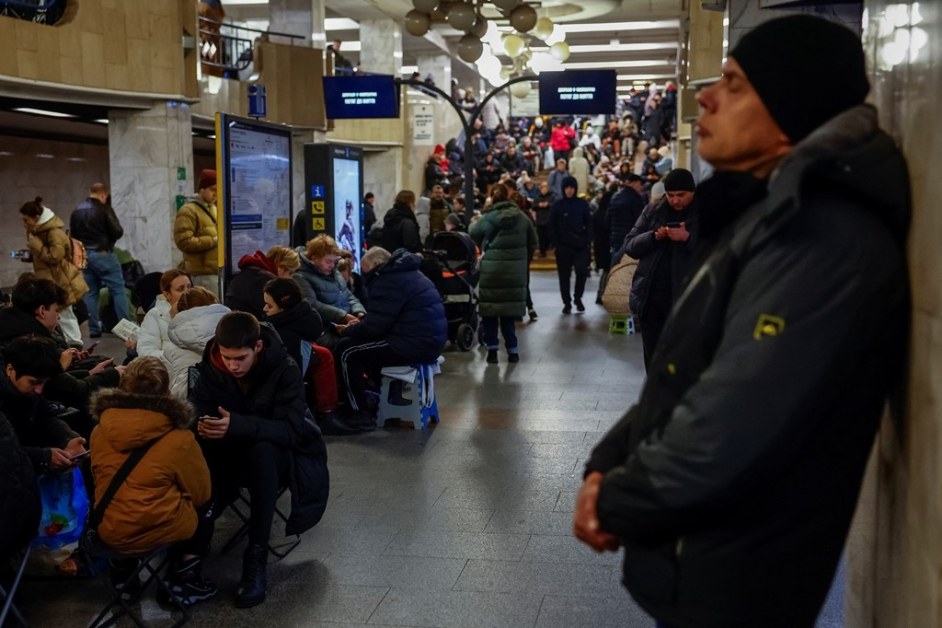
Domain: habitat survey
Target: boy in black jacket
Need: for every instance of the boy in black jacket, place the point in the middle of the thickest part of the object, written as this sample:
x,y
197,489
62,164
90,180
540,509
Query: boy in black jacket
x,y
254,426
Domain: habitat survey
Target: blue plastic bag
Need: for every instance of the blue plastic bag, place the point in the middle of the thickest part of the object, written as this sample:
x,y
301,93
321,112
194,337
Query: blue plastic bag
x,y
65,508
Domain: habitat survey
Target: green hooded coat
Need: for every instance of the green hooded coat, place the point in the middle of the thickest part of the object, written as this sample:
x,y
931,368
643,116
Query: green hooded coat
x,y
508,240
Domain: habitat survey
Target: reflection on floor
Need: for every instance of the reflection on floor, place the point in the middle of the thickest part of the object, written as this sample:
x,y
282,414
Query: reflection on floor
x,y
467,524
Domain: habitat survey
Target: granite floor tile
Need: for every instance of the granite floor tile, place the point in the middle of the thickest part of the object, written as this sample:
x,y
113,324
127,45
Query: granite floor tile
x,y
509,499
566,549
457,609
410,572
615,611
354,540
437,518
538,578
424,542
529,522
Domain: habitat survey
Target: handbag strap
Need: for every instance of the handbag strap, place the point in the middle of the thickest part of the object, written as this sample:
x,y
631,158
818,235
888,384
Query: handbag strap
x,y
99,512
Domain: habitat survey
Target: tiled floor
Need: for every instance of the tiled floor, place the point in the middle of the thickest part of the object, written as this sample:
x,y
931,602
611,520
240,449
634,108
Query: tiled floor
x,y
467,524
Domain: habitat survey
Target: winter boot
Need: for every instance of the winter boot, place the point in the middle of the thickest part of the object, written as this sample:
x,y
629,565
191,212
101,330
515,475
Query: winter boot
x,y
187,584
251,591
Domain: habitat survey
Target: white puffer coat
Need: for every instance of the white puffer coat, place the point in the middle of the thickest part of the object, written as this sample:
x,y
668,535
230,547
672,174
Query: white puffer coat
x,y
189,332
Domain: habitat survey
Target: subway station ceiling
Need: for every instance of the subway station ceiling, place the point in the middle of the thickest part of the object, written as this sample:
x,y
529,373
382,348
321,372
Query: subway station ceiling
x,y
639,38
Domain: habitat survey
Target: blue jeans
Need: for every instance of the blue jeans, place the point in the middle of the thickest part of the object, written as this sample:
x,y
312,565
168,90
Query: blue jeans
x,y
104,271
506,328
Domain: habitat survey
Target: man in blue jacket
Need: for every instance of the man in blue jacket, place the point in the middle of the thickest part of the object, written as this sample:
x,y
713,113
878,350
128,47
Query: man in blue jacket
x,y
404,324
732,483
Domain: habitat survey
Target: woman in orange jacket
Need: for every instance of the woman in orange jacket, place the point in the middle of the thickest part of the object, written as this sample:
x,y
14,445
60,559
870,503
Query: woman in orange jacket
x,y
161,500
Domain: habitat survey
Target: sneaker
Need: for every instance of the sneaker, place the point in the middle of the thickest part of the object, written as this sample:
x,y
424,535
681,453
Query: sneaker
x,y
532,314
492,356
579,305
187,584
567,309
598,300
513,357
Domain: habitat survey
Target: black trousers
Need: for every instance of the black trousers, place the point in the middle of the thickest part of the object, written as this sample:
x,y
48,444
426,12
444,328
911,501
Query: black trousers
x,y
261,467
567,260
354,360
656,310
542,234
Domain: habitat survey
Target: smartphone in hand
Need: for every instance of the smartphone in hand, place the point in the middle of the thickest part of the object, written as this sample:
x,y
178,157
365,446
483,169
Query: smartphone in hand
x,y
80,455
91,348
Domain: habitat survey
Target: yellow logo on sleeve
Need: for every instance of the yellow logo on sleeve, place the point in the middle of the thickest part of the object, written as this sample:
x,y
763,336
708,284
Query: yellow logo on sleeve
x,y
768,326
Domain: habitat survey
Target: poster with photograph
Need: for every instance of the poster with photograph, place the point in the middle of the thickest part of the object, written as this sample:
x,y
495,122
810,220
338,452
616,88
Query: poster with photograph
x,y
347,206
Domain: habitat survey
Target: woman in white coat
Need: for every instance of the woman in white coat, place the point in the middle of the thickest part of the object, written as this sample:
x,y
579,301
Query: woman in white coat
x,y
193,325
152,339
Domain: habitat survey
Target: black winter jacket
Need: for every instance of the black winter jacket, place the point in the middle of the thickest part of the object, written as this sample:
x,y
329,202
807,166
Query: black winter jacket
x,y
404,309
72,388
300,323
650,252
623,212
270,408
20,506
733,481
95,225
401,230
570,220
34,419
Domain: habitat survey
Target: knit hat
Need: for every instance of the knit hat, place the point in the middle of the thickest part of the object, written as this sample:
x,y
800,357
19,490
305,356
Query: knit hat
x,y
782,56
679,180
657,191
207,179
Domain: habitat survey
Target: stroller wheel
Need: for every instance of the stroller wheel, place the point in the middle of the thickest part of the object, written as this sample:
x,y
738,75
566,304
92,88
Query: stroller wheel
x,y
464,337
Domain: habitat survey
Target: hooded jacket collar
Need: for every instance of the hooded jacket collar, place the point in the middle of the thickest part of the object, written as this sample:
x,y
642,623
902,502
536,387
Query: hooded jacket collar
x,y
138,419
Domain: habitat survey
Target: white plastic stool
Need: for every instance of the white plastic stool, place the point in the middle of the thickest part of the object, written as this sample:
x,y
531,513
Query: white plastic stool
x,y
418,383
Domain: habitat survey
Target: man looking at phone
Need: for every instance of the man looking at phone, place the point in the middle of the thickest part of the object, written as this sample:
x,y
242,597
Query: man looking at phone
x,y
28,363
663,241
250,399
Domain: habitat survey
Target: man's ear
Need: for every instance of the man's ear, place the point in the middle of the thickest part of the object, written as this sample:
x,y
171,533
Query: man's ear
x,y
259,345
11,372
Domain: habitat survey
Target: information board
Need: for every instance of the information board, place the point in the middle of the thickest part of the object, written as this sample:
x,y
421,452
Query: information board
x,y
577,92
256,187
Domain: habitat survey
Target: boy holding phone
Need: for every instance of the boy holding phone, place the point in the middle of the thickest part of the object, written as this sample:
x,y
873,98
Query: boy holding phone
x,y
663,241
50,443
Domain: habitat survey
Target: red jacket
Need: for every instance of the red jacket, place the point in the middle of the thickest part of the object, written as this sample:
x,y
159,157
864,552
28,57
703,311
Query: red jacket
x,y
561,136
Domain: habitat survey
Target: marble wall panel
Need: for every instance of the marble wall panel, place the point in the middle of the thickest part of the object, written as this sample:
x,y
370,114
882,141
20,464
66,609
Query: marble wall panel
x,y
59,172
381,52
904,46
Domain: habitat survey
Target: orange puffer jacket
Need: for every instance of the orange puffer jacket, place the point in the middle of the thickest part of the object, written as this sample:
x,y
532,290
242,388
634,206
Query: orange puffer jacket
x,y
158,501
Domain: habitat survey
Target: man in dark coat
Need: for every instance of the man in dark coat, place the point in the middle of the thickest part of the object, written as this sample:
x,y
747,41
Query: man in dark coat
x,y
256,432
624,211
732,483
94,224
400,226
404,323
541,207
663,241
569,231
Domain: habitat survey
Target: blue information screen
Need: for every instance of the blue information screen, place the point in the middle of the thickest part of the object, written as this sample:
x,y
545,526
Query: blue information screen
x,y
371,96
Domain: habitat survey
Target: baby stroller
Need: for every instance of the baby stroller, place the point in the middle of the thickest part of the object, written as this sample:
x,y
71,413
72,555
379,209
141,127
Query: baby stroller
x,y
456,277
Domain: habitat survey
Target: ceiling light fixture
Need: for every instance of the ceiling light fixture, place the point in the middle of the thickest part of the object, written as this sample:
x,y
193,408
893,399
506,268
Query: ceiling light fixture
x,y
44,112
467,16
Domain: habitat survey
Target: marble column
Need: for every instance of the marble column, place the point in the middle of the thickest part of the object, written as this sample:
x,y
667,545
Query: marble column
x,y
439,67
151,163
381,53
298,17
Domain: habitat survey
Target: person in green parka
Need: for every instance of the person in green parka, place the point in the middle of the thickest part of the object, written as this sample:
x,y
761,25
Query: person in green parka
x,y
508,239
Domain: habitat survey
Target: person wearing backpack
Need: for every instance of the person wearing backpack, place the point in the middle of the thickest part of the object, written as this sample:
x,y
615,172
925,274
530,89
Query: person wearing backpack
x,y
96,226
50,248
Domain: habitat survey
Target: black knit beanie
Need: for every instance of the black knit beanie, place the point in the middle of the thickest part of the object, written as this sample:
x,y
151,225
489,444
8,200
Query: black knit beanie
x,y
782,57
679,180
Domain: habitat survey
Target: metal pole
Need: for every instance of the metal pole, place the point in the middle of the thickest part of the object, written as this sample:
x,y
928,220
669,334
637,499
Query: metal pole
x,y
468,123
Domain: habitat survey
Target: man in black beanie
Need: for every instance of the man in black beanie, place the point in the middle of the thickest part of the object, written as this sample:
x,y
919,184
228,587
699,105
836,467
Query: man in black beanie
x,y
663,240
732,482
